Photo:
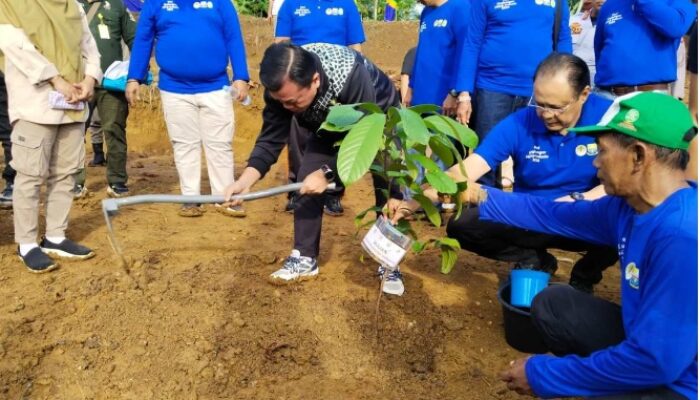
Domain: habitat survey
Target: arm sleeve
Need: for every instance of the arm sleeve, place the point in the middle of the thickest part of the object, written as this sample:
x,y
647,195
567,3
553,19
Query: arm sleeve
x,y
143,42
460,31
671,19
128,26
469,57
283,27
598,38
234,42
501,141
273,136
661,345
564,41
355,31
89,51
19,51
585,220
408,61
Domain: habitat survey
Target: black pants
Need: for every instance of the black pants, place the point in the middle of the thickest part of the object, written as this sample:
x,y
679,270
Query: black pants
x,y
8,174
308,214
298,139
573,322
507,243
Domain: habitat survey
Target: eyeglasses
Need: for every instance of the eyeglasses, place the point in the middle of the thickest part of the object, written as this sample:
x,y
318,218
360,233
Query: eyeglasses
x,y
553,110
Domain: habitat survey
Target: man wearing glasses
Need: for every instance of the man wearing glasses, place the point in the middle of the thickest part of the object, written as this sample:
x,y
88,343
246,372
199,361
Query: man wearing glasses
x,y
550,162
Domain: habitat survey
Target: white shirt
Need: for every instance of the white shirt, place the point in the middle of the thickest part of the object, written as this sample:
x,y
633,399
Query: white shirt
x,y
582,34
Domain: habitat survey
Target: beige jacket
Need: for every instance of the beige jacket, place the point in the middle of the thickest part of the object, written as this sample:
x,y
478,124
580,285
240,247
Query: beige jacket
x,y
27,73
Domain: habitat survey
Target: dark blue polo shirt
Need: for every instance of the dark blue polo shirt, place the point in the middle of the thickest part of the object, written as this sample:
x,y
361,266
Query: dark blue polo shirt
x,y
546,164
320,21
440,40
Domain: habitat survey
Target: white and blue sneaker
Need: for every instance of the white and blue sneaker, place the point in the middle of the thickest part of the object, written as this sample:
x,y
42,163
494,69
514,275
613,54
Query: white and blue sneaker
x,y
295,268
394,281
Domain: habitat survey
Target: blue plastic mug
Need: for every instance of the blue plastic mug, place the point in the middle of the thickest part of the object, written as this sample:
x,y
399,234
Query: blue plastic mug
x,y
525,284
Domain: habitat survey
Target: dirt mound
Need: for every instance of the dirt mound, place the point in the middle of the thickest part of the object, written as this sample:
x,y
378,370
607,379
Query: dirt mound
x,y
193,317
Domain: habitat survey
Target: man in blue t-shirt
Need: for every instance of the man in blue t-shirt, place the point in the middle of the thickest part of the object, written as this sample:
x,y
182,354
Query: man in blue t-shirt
x,y
648,348
636,42
507,40
317,21
443,28
550,162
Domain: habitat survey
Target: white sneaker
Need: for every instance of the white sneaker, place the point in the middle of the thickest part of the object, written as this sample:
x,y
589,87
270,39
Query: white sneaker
x,y
394,281
295,268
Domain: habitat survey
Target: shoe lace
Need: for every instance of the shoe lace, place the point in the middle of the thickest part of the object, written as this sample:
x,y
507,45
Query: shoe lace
x,y
291,264
393,276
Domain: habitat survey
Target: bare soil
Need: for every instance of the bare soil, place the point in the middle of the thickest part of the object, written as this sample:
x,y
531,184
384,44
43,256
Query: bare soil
x,y
193,317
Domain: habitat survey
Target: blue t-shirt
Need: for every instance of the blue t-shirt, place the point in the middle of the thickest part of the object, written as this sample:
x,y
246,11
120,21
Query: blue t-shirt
x,y
320,21
659,282
546,164
507,40
440,41
636,41
194,42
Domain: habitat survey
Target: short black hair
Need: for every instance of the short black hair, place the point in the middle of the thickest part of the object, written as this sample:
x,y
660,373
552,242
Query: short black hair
x,y
286,61
673,158
578,75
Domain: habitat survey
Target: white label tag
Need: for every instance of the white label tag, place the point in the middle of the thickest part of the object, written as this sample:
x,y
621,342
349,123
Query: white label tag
x,y
103,31
385,244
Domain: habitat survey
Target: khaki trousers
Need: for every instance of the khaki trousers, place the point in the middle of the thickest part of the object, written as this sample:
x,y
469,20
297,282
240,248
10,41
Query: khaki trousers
x,y
44,154
195,121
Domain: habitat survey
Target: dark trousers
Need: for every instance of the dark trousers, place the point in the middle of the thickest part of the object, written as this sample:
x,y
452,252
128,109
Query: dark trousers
x,y
490,108
298,139
308,214
507,243
8,174
573,322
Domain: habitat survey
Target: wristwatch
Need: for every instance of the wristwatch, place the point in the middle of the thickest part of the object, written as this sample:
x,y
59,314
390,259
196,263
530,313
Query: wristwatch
x,y
328,173
576,196
454,93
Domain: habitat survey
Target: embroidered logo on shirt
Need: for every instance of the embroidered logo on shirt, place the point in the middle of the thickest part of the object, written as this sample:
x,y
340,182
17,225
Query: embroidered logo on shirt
x,y
203,4
334,11
613,18
536,154
440,23
576,28
423,26
621,248
302,11
632,275
170,6
581,150
548,3
505,4
592,149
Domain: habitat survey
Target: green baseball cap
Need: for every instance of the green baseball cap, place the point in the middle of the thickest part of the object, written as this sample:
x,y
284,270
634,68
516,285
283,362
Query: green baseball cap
x,y
654,118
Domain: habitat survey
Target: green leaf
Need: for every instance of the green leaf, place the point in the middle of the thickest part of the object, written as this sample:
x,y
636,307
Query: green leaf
x,y
343,115
441,181
430,210
418,246
327,126
360,147
362,214
425,109
370,108
414,127
441,148
425,162
394,117
452,128
448,258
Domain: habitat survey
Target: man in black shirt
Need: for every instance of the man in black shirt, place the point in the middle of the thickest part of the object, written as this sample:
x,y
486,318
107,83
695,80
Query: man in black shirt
x,y
303,82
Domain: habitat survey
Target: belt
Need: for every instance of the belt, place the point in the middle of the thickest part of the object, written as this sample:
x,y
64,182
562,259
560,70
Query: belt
x,y
622,90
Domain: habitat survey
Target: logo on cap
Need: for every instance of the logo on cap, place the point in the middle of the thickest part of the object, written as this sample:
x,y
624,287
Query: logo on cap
x,y
631,117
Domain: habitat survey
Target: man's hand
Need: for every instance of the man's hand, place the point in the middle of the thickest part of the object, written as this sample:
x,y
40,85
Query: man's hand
x,y
241,89
132,92
86,88
464,108
515,377
70,92
314,183
408,96
400,209
474,194
237,187
449,106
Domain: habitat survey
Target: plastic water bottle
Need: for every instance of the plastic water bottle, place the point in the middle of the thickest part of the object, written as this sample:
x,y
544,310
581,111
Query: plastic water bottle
x,y
231,91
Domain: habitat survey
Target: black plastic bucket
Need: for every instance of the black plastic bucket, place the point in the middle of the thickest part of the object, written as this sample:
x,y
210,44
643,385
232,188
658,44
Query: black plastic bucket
x,y
521,333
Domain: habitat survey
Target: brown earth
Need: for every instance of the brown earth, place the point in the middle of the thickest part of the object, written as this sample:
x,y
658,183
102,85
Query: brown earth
x,y
192,317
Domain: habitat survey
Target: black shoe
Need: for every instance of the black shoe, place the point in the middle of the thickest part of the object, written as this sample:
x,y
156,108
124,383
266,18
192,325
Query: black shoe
x,y
291,203
333,206
6,196
585,287
99,157
547,264
117,190
36,261
66,249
